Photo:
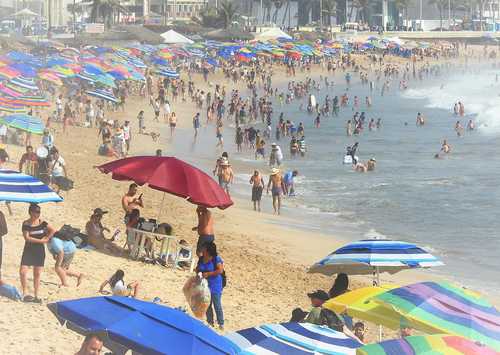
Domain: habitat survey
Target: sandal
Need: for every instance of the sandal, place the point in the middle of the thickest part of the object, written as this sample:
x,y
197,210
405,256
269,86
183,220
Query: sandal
x,y
28,298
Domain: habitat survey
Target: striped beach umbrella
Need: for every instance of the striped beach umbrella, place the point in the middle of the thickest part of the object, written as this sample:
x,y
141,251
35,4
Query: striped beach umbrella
x,y
18,187
102,94
24,122
375,256
26,83
427,345
292,338
443,308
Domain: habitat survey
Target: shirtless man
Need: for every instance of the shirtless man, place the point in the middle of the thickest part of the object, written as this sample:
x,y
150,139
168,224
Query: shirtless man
x,y
130,202
205,228
227,176
445,147
277,187
257,183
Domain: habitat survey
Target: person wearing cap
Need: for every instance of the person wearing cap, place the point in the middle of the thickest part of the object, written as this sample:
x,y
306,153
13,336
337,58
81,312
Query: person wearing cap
x,y
317,299
370,164
277,187
95,232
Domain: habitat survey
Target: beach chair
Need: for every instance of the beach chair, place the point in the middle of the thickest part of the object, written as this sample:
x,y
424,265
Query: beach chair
x,y
184,253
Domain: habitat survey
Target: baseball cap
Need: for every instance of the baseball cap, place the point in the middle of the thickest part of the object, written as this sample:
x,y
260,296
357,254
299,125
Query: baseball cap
x,y
99,211
319,294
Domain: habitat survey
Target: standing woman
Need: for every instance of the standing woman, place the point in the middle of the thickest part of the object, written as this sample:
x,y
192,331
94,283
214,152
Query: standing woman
x,y
36,233
212,267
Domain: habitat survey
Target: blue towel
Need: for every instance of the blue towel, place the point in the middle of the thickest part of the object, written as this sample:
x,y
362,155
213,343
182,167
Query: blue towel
x,y
10,292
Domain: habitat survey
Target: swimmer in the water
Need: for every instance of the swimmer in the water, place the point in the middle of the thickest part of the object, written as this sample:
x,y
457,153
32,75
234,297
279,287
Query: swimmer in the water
x,y
470,125
370,164
445,147
459,129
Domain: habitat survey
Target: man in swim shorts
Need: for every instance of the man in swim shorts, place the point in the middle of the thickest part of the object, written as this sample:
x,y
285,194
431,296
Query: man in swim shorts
x,y
205,228
257,182
277,187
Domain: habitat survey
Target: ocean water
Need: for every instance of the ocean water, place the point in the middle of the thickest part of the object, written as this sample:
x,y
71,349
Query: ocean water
x,y
449,206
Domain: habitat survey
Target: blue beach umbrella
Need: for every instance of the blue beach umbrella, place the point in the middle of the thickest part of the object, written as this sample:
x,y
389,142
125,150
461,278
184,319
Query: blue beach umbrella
x,y
18,187
102,94
375,256
26,83
145,327
24,122
293,339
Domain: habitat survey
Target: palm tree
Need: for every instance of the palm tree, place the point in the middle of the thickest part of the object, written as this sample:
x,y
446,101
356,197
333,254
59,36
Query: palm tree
x,y
329,10
106,10
227,11
277,6
441,6
402,6
266,14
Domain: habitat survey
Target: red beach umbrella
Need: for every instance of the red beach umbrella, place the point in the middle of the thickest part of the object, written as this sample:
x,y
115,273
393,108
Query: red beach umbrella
x,y
171,175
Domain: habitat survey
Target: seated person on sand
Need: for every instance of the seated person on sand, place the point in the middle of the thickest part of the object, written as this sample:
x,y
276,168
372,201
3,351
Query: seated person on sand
x,y
95,232
118,287
63,252
322,316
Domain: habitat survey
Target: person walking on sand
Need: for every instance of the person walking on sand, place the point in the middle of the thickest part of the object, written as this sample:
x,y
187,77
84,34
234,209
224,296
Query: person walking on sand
x,y
140,118
196,124
227,175
172,119
257,182
211,267
205,228
277,187
63,252
36,233
3,231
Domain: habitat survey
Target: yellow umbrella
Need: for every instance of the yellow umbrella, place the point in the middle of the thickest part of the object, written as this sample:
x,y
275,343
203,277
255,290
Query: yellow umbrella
x,y
357,304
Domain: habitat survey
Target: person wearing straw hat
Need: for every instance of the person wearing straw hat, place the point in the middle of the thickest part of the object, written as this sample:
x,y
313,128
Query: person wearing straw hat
x,y
277,187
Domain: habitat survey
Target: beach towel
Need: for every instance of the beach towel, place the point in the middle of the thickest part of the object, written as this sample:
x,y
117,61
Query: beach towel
x,y
11,292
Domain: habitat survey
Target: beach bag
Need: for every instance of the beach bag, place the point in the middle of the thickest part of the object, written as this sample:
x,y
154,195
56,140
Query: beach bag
x,y
197,295
10,291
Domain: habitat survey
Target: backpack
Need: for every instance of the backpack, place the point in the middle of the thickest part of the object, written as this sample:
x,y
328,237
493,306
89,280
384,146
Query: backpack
x,y
224,277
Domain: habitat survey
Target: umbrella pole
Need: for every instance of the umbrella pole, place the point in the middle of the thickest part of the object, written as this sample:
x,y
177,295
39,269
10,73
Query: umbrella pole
x,y
377,271
159,211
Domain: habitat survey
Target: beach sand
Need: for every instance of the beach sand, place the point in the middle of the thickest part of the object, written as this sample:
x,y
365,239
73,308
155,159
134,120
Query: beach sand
x,y
265,262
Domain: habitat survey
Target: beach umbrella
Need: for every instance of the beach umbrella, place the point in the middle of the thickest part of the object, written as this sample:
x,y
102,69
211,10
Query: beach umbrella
x,y
427,345
358,304
375,256
26,83
102,94
23,122
443,308
18,187
170,175
292,338
143,327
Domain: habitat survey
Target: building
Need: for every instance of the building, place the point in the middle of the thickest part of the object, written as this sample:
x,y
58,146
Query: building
x,y
159,10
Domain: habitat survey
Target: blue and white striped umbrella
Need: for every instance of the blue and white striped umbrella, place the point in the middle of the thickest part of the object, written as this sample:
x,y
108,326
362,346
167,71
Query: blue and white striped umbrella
x,y
102,94
169,73
18,187
375,255
27,83
292,339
